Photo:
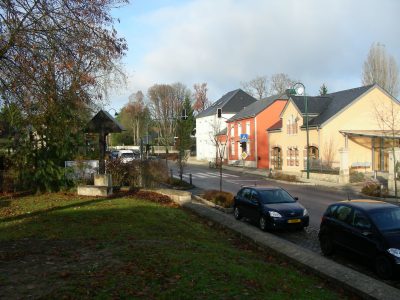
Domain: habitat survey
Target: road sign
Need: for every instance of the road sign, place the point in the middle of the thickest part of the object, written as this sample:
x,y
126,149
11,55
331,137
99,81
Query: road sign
x,y
244,155
244,137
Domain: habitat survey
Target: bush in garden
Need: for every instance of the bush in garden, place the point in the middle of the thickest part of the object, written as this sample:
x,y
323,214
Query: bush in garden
x,y
137,173
372,187
356,176
224,199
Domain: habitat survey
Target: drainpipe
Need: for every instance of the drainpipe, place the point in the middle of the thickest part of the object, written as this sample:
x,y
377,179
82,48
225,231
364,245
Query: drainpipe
x,y
255,140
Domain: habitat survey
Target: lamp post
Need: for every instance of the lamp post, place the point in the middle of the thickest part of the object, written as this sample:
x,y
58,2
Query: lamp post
x,y
300,89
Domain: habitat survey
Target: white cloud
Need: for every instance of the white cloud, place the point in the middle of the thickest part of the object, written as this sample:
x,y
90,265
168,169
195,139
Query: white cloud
x,y
224,42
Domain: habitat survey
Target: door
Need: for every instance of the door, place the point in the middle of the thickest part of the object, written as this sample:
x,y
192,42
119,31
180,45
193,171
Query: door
x,y
254,206
364,238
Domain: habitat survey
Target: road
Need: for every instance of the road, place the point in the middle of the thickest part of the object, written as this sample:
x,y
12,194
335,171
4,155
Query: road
x,y
315,199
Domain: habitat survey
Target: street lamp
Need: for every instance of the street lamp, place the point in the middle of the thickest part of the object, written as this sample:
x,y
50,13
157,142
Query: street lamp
x,y
300,89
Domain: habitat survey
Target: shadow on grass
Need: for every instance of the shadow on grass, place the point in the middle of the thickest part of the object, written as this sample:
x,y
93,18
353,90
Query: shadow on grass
x,y
52,209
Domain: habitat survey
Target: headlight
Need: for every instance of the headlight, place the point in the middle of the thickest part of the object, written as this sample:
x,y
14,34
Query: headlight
x,y
305,212
275,214
394,251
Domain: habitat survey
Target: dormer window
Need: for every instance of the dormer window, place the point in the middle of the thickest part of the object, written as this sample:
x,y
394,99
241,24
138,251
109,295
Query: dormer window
x,y
291,125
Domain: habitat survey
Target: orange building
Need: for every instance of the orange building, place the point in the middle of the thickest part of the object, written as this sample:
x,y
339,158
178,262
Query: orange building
x,y
247,135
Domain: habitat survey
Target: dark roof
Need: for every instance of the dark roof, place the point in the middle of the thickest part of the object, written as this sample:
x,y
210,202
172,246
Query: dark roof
x,y
322,108
257,107
339,101
315,105
367,205
276,126
103,120
262,187
222,132
231,102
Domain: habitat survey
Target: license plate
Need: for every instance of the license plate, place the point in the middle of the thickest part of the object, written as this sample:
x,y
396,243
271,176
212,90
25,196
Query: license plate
x,y
294,221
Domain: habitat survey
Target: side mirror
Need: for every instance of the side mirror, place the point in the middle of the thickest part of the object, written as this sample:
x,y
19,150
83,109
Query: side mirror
x,y
296,198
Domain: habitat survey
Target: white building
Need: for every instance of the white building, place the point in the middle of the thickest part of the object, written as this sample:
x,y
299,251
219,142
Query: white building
x,y
208,124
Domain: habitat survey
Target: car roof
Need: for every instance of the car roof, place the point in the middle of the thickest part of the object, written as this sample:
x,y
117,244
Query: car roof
x,y
262,187
367,204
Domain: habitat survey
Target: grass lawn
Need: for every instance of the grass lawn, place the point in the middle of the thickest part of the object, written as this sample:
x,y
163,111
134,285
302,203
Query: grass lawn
x,y
66,246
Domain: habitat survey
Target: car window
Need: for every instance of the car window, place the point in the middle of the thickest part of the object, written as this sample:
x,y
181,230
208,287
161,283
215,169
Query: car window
x,y
254,195
387,219
246,194
342,213
331,210
360,220
275,196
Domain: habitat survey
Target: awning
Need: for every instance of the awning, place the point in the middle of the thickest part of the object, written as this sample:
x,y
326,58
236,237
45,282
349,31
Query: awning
x,y
372,133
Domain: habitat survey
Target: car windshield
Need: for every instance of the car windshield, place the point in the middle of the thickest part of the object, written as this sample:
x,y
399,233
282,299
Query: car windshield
x,y
387,219
275,196
127,155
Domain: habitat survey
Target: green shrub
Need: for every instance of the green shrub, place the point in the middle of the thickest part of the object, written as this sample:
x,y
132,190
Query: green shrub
x,y
176,182
356,176
224,199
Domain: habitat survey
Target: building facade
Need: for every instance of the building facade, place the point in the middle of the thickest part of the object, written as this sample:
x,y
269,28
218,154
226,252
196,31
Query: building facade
x,y
209,124
347,130
247,132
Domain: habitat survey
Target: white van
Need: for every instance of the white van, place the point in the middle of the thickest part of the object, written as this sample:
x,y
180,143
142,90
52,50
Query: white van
x,y
126,155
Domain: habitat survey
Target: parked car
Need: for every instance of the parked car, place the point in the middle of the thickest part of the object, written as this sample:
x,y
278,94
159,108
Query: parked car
x,y
271,207
366,227
126,155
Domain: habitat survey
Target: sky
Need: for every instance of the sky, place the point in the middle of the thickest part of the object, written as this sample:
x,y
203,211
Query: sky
x,y
226,42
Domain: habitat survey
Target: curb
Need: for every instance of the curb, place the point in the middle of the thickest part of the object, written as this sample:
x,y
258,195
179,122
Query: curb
x,y
356,282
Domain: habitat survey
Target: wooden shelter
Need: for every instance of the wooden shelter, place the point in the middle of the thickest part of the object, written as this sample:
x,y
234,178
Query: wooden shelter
x,y
103,124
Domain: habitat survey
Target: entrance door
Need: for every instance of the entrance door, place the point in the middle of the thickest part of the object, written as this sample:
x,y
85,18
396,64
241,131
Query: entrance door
x,y
276,158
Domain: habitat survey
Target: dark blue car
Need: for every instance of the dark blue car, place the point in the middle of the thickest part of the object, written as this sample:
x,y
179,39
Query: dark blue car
x,y
271,207
367,228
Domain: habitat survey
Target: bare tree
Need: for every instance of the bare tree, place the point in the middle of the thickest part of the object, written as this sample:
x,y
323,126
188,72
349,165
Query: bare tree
x,y
219,138
388,119
328,153
201,101
381,68
165,103
280,82
257,87
134,116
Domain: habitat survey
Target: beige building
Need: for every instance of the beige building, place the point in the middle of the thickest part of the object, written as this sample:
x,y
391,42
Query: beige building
x,y
350,129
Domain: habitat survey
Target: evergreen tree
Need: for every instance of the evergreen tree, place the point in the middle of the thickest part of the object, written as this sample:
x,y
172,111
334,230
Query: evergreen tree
x,y
323,90
185,126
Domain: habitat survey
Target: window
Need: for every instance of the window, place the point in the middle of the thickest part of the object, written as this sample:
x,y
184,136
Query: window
x,y
342,213
239,129
233,147
246,194
292,156
248,148
248,128
291,125
232,131
360,221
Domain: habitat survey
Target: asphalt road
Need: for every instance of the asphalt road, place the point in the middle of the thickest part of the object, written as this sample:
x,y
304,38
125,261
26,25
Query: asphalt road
x,y
315,199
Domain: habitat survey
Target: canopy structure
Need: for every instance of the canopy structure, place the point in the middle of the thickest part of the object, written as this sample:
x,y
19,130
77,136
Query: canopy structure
x,y
103,124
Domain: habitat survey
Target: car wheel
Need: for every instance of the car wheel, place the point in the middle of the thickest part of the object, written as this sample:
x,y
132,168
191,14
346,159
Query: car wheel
x,y
326,245
236,213
262,222
384,267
